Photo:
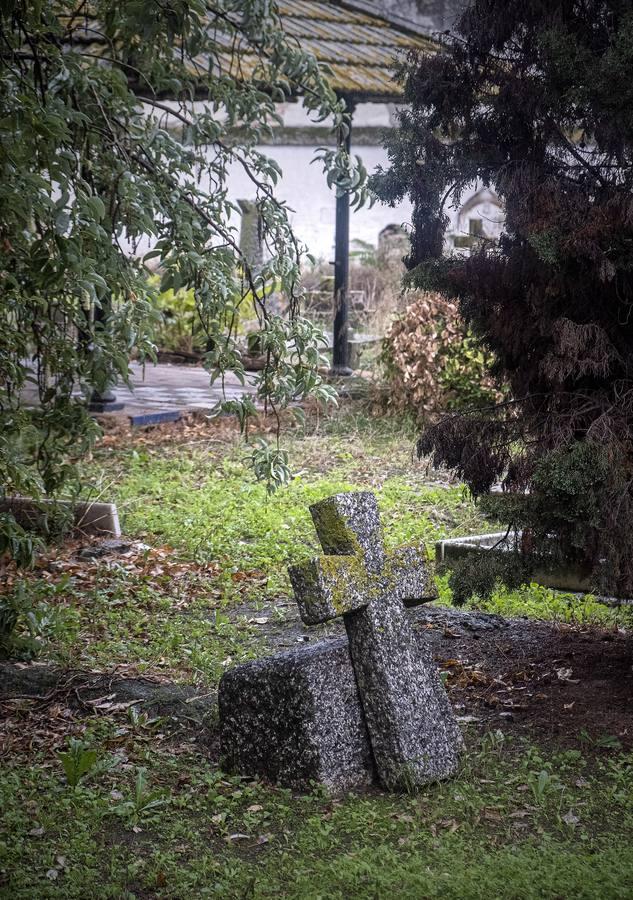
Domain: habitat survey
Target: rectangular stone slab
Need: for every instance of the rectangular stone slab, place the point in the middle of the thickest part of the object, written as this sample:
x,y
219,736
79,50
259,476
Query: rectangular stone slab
x,y
87,517
296,719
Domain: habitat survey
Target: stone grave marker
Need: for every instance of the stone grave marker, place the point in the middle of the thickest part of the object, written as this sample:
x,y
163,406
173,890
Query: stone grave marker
x,y
296,719
413,733
338,714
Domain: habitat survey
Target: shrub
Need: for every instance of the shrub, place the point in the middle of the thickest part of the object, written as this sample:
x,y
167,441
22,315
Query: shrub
x,y
28,621
181,326
534,100
432,360
178,327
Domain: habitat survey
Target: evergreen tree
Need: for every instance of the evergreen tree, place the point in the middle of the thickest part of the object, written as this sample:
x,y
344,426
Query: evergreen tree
x,y
535,99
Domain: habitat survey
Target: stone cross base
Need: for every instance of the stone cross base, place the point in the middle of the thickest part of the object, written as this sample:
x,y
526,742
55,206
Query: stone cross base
x,y
296,719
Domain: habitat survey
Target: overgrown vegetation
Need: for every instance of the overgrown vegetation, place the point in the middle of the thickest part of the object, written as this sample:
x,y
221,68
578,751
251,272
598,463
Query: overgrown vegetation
x,y
534,99
111,800
517,822
211,548
99,165
216,543
375,287
432,361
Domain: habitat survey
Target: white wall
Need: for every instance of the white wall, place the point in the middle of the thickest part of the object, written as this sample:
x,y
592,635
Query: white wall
x,y
305,190
312,204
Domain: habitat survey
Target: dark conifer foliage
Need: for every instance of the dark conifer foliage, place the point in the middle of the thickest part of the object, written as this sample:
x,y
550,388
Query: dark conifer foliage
x,y
535,98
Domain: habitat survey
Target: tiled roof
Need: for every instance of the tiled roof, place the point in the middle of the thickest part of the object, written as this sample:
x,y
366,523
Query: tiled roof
x,y
353,38
356,41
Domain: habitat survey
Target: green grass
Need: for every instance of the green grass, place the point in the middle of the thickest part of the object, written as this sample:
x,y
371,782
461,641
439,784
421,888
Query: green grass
x,y
537,602
201,502
516,823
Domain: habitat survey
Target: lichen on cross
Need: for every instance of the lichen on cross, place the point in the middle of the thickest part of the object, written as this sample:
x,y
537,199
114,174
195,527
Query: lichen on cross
x,y
413,733
356,570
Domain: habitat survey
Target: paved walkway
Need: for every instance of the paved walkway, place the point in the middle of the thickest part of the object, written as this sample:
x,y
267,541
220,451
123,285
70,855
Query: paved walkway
x,y
161,393
170,387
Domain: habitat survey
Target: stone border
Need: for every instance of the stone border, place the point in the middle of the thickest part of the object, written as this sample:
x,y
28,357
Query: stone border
x,y
558,579
90,518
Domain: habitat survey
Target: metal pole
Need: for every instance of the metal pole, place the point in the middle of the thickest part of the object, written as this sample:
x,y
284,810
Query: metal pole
x,y
340,345
105,400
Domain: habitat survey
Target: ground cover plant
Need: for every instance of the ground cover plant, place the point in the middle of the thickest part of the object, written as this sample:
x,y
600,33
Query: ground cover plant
x,y
516,823
102,794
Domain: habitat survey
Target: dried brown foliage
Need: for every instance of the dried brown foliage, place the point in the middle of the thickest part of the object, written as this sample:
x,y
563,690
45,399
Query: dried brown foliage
x,y
432,361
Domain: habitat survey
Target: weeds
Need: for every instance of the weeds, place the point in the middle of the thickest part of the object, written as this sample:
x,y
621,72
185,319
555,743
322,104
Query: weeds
x,y
77,761
143,802
193,831
29,624
145,818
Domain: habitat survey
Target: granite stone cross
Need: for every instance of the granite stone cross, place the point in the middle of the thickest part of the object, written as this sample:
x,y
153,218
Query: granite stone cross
x,y
413,733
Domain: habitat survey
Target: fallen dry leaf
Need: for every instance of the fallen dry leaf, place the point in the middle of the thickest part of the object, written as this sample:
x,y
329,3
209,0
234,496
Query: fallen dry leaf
x,y
492,813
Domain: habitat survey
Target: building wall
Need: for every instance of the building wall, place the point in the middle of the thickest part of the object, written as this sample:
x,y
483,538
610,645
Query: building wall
x,y
303,187
312,204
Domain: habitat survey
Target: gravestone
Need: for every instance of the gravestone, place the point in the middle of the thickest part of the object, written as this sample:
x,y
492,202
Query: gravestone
x,y
413,733
312,715
251,234
393,243
296,719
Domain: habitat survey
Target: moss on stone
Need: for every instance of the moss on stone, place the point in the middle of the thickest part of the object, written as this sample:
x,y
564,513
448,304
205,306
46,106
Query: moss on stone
x,y
336,536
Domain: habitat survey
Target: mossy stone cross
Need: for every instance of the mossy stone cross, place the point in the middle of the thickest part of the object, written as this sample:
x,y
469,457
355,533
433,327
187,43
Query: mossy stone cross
x,y
413,733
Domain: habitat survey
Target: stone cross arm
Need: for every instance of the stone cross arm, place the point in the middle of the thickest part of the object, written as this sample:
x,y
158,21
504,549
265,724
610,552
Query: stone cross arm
x,y
331,586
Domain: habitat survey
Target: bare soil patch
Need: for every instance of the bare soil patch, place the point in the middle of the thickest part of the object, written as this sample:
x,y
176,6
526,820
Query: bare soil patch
x,y
551,684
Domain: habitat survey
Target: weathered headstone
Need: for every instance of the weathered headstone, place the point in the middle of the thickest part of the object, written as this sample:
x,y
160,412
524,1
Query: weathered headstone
x,y
413,733
337,712
251,234
393,243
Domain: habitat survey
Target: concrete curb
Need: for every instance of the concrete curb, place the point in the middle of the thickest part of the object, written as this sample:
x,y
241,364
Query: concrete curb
x,y
89,518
